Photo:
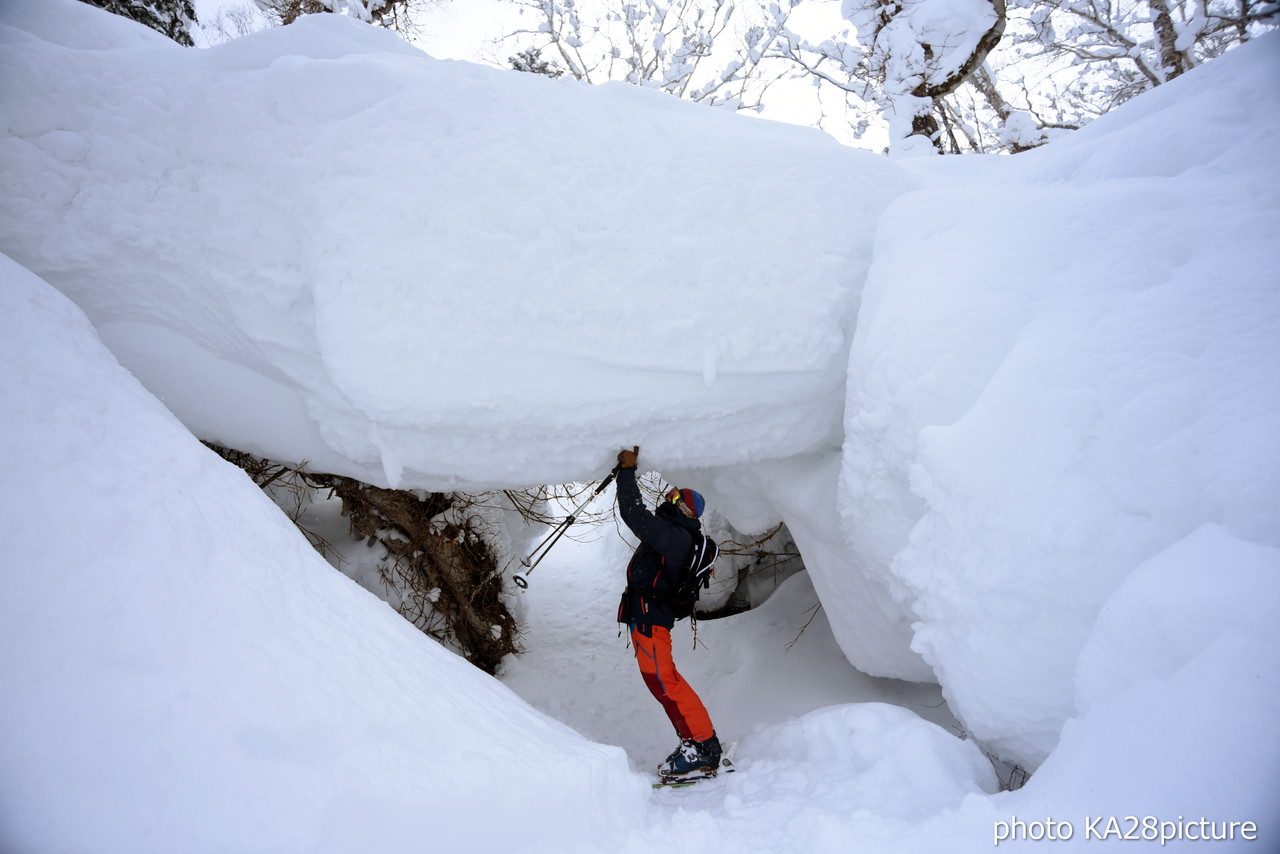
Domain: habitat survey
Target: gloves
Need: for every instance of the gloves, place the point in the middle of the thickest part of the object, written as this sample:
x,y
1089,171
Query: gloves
x,y
627,459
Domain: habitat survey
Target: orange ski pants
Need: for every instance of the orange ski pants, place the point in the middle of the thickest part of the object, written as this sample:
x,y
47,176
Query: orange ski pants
x,y
678,699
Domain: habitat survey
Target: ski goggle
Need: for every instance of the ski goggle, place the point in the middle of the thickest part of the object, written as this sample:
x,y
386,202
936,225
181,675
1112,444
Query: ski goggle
x,y
677,499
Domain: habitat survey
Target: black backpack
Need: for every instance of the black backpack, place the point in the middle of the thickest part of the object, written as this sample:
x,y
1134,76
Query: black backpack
x,y
692,579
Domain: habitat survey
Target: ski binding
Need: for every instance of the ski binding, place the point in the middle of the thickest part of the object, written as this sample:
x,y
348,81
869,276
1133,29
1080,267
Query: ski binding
x,y
672,781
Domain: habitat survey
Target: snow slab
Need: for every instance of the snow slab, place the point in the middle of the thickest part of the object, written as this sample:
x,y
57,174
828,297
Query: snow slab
x,y
430,273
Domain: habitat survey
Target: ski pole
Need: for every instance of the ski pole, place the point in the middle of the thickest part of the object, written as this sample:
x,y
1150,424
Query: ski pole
x,y
522,579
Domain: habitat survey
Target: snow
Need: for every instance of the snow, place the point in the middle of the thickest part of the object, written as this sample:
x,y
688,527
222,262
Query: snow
x,y
578,670
1018,414
367,249
1040,417
185,669
913,44
1179,651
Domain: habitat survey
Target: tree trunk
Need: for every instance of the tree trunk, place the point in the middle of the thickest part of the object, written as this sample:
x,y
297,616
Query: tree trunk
x,y
927,125
1173,62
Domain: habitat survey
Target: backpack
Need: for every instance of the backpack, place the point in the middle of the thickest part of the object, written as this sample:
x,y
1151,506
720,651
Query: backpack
x,y
692,579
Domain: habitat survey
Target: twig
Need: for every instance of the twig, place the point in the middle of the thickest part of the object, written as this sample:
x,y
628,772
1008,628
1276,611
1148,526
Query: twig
x,y
815,609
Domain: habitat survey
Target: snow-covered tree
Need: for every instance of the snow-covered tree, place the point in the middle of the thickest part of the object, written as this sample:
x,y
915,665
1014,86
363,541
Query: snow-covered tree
x,y
906,56
233,22
980,75
715,52
1108,51
530,60
174,18
394,14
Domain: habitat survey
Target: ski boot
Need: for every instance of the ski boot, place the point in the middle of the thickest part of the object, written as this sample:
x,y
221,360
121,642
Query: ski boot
x,y
692,760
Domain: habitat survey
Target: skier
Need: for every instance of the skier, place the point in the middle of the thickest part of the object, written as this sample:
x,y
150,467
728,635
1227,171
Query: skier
x,y
666,539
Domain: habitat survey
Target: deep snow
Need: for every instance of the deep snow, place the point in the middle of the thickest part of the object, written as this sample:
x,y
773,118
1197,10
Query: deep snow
x,y
1018,413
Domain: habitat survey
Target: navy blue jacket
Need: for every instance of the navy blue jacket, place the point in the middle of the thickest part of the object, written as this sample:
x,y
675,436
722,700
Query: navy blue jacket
x,y
666,539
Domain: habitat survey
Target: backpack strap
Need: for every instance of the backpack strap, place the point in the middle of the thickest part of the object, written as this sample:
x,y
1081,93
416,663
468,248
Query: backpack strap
x,y
700,541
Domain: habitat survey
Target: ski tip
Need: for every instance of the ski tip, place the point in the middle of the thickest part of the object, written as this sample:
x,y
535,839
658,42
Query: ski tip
x,y
726,758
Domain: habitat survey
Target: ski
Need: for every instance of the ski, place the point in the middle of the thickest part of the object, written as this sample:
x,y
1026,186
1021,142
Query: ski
x,y
686,780
682,782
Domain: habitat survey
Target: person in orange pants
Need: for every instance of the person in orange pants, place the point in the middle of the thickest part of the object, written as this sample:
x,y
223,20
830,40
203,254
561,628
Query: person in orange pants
x,y
666,538
681,703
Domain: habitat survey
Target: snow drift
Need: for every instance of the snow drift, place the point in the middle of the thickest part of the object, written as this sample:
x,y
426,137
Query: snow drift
x,y
1081,370
181,668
